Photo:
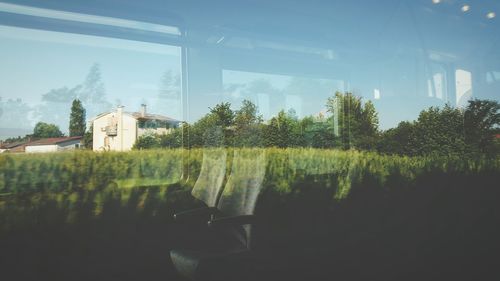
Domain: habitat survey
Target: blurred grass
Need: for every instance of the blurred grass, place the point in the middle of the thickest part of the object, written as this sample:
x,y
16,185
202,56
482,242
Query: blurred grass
x,y
87,215
85,182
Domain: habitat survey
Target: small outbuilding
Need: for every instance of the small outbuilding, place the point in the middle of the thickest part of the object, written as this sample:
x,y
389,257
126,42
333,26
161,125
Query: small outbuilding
x,y
54,144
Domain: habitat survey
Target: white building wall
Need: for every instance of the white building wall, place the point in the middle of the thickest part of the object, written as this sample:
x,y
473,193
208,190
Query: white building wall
x,y
68,145
41,148
126,132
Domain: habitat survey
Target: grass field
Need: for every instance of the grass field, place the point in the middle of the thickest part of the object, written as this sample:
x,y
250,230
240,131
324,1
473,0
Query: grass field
x,y
107,216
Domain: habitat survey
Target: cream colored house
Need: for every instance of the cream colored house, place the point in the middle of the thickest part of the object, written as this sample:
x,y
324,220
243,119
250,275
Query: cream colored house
x,y
118,130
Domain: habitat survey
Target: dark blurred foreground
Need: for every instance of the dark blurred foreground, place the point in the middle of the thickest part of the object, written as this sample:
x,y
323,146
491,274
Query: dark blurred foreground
x,y
445,227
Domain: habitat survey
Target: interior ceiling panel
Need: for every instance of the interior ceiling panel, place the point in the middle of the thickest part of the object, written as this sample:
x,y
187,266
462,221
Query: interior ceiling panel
x,y
320,24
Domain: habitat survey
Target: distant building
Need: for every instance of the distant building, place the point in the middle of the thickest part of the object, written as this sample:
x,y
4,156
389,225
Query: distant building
x,y
17,146
53,144
118,130
42,145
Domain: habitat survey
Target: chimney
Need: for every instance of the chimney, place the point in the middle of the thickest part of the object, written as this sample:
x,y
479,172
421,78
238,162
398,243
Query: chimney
x,y
119,126
119,110
143,110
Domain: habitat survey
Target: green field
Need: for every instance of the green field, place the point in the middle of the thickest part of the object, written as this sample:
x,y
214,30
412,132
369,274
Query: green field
x,y
86,170
70,179
84,215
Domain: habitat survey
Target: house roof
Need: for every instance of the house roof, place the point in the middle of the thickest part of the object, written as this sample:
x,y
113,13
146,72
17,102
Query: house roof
x,y
52,141
138,115
11,145
148,116
19,148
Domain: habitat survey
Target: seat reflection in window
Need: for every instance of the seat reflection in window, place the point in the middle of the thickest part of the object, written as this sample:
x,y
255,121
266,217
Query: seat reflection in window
x,y
208,186
226,254
209,182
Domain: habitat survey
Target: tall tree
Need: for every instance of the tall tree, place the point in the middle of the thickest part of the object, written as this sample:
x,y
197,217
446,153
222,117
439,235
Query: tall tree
x,y
247,114
280,131
93,88
77,119
223,118
354,124
368,127
247,125
93,93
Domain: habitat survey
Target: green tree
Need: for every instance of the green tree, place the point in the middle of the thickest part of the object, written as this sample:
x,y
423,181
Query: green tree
x,y
223,115
280,131
45,130
247,125
481,124
221,131
367,134
77,119
88,138
197,130
439,132
173,139
354,124
317,132
247,114
147,141
213,129
398,140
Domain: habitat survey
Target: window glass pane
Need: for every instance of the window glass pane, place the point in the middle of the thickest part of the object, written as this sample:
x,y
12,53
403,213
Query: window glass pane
x,y
364,129
128,91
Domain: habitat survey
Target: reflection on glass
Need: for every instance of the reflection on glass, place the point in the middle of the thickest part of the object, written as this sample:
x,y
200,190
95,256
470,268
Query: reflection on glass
x,y
463,87
244,183
86,18
209,183
96,70
126,104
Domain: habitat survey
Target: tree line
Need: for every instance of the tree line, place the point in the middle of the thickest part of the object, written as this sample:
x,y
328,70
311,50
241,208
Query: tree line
x,y
351,124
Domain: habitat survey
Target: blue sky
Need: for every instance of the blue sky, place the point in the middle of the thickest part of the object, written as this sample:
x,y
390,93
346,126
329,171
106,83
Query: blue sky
x,y
400,56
